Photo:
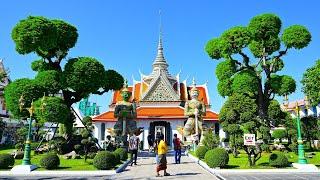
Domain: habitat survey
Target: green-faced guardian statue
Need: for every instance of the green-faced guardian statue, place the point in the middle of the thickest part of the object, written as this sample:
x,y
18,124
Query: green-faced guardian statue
x,y
125,112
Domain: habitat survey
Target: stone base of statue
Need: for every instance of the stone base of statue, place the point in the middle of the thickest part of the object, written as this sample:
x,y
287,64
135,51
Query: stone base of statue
x,y
22,169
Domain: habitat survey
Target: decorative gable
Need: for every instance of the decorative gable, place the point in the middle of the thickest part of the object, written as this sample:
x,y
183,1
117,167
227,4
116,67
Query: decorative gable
x,y
161,90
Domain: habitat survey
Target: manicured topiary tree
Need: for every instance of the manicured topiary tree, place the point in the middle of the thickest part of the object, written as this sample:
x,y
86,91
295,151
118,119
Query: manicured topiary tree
x,y
252,57
201,151
6,160
50,161
52,40
123,153
210,140
117,157
217,157
88,141
278,160
104,160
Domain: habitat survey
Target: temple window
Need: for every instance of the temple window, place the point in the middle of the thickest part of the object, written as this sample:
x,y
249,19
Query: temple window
x,y
103,130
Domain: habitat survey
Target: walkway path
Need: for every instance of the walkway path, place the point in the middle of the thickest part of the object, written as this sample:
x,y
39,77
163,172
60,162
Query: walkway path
x,y
146,169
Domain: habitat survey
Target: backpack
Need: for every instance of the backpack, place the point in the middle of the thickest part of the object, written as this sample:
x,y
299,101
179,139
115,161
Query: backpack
x,y
176,144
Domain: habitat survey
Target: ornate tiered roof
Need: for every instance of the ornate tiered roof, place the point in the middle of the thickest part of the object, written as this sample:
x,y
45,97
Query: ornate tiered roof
x,y
159,95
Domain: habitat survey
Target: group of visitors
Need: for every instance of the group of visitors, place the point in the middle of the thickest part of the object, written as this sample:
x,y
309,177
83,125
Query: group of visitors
x,y
160,148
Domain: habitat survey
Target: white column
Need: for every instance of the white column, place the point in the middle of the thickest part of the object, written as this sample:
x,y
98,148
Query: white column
x,y
145,139
222,134
97,131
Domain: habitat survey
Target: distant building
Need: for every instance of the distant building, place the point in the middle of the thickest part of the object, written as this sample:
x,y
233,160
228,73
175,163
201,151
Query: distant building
x,y
303,110
87,108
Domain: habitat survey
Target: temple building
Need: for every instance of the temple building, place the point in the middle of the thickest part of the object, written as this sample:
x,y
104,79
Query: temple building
x,y
160,99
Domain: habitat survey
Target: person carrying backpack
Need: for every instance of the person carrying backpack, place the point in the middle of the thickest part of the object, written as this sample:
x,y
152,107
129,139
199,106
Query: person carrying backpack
x,y
133,148
177,148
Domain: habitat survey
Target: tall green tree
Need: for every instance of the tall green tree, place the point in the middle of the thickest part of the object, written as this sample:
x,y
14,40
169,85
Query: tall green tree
x,y
279,134
311,83
252,57
52,40
238,111
310,129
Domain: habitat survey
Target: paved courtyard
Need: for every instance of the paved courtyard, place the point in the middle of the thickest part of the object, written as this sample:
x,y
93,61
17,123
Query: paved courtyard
x,y
146,169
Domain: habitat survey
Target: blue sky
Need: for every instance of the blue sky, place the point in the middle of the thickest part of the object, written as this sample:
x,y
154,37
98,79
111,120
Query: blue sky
x,y
123,34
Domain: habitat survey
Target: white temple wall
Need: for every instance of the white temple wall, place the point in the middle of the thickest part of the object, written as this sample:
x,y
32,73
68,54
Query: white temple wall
x,y
97,132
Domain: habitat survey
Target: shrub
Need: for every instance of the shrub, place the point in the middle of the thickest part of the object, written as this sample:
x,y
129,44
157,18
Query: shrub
x,y
293,147
265,148
201,151
117,157
6,160
123,153
279,134
50,161
278,160
217,157
19,146
104,160
34,145
210,140
307,146
91,155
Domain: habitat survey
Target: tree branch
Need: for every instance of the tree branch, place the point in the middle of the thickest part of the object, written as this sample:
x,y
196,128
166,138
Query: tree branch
x,y
246,58
101,92
281,53
236,61
277,57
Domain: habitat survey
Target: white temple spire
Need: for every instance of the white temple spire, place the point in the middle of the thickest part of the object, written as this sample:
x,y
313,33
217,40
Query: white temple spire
x,y
160,62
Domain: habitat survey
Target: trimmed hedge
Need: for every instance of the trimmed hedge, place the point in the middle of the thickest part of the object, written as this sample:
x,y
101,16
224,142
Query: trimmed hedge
x,y
91,155
50,161
278,160
123,153
201,151
117,157
217,157
6,160
104,160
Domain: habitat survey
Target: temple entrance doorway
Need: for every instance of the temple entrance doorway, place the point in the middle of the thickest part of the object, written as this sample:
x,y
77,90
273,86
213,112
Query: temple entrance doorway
x,y
161,127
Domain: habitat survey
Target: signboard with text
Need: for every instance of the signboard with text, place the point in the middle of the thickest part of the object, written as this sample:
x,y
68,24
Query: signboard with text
x,y
249,139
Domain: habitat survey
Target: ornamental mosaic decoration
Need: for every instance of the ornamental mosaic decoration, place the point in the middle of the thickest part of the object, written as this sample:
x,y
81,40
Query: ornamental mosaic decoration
x,y
161,92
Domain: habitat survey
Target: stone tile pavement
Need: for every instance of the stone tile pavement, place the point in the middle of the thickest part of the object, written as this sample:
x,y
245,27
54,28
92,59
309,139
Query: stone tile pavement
x,y
145,169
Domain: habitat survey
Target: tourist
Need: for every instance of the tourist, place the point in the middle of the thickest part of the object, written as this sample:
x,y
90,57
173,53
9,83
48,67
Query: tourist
x,y
150,141
109,145
177,148
133,147
155,148
162,161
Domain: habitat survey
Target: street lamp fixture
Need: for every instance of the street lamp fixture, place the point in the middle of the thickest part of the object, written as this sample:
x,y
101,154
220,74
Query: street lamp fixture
x,y
301,157
31,110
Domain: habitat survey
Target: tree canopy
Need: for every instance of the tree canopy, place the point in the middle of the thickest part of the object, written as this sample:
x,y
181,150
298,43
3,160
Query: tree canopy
x,y
252,57
51,40
311,83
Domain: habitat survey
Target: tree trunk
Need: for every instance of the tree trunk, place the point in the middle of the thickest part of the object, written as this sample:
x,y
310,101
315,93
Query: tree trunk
x,y
263,103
